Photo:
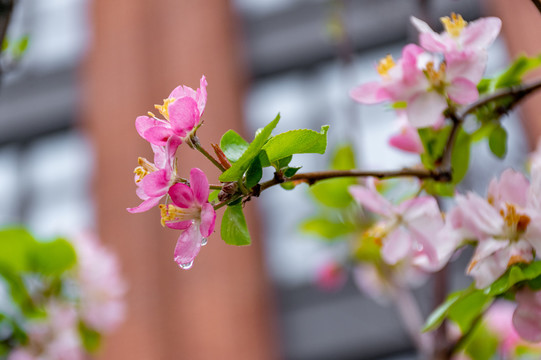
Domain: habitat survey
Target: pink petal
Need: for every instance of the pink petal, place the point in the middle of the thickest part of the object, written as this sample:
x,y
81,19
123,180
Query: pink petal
x,y
172,145
188,245
527,315
182,196
408,141
428,38
467,64
479,216
182,91
481,33
208,218
145,205
487,270
199,185
462,91
370,93
426,109
155,183
372,200
201,96
158,135
396,246
143,123
183,115
179,225
512,187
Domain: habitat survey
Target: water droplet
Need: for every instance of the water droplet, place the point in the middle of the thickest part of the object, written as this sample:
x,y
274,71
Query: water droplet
x,y
419,247
186,266
204,241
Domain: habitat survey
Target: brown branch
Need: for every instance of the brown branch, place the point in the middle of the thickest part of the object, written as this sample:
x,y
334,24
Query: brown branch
x,y
313,177
537,4
516,92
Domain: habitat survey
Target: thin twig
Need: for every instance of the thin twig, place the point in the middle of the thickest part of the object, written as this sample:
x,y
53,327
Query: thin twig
x,y
537,4
197,146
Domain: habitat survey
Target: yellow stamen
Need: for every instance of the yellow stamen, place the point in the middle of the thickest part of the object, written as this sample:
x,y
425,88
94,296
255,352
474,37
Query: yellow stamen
x,y
164,109
515,220
377,232
174,213
385,64
145,167
436,77
454,25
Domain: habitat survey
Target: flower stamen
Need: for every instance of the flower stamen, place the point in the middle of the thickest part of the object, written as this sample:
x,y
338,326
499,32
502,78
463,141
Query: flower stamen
x,y
454,25
164,109
384,65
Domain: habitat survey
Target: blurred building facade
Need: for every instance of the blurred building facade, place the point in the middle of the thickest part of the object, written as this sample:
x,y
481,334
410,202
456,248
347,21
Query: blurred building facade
x,y
92,67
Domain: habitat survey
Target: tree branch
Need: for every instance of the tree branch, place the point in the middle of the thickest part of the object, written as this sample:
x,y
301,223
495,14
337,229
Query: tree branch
x,y
537,4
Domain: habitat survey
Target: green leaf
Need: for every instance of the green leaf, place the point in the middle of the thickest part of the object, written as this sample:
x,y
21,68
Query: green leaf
x,y
460,157
302,141
213,195
288,185
233,145
484,131
15,245
497,141
290,171
53,258
514,275
234,230
284,162
482,344
463,307
326,227
440,313
5,44
465,311
484,86
21,46
514,73
90,337
434,142
343,158
236,171
437,188
399,105
254,173
333,192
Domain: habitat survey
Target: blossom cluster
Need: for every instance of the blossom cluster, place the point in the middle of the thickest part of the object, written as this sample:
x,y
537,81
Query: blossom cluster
x,y
189,210
443,72
90,304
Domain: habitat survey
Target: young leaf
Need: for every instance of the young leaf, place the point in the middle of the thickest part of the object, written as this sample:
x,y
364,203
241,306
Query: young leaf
x,y
326,228
254,173
460,157
514,73
233,145
333,192
53,257
234,230
301,141
515,274
497,141
343,158
90,337
236,171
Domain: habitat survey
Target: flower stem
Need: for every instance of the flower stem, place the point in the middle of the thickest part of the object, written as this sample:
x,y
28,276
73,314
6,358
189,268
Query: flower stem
x,y
197,146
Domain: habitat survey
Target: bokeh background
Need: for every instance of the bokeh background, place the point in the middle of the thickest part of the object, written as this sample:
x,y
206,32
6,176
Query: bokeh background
x,y
68,147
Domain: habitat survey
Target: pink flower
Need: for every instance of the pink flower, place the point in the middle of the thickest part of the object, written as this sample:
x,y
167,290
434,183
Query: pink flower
x,y
331,276
153,180
182,112
192,213
527,316
100,284
407,138
407,230
459,36
423,82
507,226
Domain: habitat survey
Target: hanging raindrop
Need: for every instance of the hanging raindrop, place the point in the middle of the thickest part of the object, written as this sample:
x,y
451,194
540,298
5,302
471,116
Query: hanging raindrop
x,y
204,241
186,266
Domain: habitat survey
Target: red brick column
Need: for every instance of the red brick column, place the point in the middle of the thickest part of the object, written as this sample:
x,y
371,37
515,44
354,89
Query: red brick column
x,y
141,50
521,29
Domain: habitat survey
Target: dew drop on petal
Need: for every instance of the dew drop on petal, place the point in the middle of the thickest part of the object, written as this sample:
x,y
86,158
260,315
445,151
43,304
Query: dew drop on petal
x,y
186,266
204,241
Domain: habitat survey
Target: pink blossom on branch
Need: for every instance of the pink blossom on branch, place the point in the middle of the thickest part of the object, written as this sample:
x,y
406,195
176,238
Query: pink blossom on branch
x,y
192,213
527,315
506,224
181,111
409,230
423,82
153,180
